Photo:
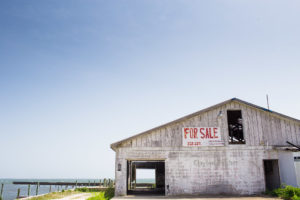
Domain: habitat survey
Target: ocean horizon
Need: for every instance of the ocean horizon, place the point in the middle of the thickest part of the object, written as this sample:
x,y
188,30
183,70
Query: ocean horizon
x,y
10,190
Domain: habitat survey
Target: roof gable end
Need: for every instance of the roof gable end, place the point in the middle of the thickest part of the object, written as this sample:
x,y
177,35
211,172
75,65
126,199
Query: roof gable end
x,y
253,106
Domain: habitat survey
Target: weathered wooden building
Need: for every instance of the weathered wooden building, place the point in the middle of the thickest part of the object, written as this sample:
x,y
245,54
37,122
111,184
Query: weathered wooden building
x,y
233,147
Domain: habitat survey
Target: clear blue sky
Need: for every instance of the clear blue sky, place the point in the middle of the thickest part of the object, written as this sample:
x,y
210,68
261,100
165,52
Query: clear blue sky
x,y
76,76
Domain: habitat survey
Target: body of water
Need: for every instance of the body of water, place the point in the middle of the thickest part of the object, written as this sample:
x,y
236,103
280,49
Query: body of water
x,y
10,190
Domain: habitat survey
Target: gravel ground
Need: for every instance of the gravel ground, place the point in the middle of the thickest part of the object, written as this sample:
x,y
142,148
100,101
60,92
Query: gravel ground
x,y
81,196
195,198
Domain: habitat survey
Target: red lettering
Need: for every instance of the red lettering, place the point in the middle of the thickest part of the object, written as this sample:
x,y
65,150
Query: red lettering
x,y
186,132
210,136
215,132
207,133
195,133
202,133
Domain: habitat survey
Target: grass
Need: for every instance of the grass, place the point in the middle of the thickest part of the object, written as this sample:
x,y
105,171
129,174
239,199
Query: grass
x,y
55,195
105,195
96,189
286,192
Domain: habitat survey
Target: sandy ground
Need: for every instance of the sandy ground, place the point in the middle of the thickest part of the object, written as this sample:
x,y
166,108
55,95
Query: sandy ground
x,y
194,198
81,196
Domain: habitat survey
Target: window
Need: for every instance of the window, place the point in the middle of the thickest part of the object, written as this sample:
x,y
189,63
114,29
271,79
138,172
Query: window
x,y
235,127
297,158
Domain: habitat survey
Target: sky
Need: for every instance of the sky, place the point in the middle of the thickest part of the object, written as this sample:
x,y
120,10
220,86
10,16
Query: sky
x,y
76,76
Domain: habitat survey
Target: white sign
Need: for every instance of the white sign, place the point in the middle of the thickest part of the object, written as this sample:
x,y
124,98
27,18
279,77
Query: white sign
x,y
201,136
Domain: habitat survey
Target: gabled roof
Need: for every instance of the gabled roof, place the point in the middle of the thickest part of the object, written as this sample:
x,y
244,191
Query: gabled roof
x,y
116,144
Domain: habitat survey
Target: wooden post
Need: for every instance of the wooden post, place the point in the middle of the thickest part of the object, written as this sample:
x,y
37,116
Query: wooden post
x,y
89,183
28,191
18,194
76,184
100,183
37,188
1,192
50,189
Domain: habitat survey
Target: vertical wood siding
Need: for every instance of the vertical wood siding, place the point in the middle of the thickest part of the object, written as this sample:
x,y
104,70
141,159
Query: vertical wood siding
x,y
260,128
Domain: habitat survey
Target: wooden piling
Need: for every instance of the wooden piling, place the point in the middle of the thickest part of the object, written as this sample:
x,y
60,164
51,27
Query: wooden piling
x,y
28,191
76,184
104,182
1,192
50,189
18,194
37,189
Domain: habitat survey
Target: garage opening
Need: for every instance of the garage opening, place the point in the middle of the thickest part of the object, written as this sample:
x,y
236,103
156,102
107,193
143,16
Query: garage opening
x,y
146,177
272,177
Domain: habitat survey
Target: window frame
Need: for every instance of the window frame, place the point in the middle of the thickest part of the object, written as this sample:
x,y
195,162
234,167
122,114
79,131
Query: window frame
x,y
228,130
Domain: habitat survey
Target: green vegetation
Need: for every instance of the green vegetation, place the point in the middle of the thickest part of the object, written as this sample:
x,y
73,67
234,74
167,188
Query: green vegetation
x,y
286,192
98,194
84,189
105,195
55,195
0,198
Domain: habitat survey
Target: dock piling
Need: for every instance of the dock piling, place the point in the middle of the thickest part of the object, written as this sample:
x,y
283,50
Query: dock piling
x,y
18,194
1,192
37,188
28,190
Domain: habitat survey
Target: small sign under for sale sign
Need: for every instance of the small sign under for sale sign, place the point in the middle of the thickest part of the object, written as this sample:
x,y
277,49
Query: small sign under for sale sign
x,y
201,136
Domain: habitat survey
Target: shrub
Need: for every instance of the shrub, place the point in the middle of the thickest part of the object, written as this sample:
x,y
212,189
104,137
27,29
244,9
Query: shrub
x,y
106,195
295,197
84,189
109,193
287,192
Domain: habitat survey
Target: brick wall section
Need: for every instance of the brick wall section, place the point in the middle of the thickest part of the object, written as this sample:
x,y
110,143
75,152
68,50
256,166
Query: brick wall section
x,y
219,170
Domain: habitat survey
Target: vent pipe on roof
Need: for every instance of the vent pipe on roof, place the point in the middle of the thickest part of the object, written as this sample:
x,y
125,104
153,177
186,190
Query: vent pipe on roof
x,y
268,102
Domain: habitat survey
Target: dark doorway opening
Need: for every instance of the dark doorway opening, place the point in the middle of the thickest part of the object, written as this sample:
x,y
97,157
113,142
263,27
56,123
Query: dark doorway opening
x,y
136,184
272,177
235,127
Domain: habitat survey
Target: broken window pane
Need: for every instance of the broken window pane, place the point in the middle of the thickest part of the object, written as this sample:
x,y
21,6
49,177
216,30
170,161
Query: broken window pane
x,y
235,127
